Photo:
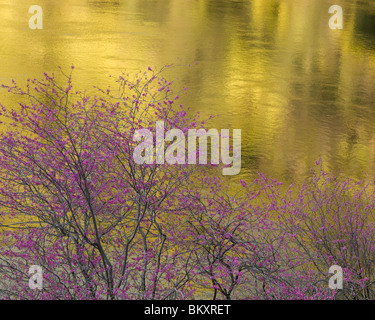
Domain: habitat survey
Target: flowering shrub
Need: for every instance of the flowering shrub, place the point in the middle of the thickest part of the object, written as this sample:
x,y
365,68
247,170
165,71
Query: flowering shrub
x,y
103,227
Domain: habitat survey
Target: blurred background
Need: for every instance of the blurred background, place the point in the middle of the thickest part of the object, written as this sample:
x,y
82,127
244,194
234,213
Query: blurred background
x,y
273,68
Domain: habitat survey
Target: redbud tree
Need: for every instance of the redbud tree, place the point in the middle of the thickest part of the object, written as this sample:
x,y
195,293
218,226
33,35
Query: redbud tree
x,y
74,202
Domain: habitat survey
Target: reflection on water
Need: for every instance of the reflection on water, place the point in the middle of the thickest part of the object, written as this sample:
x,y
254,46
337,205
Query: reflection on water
x,y
273,68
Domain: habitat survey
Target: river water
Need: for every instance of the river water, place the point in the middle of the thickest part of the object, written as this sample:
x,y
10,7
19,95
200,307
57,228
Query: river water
x,y
273,68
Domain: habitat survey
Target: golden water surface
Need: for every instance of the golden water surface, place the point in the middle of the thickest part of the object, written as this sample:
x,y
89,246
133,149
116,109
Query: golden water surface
x,y
273,68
